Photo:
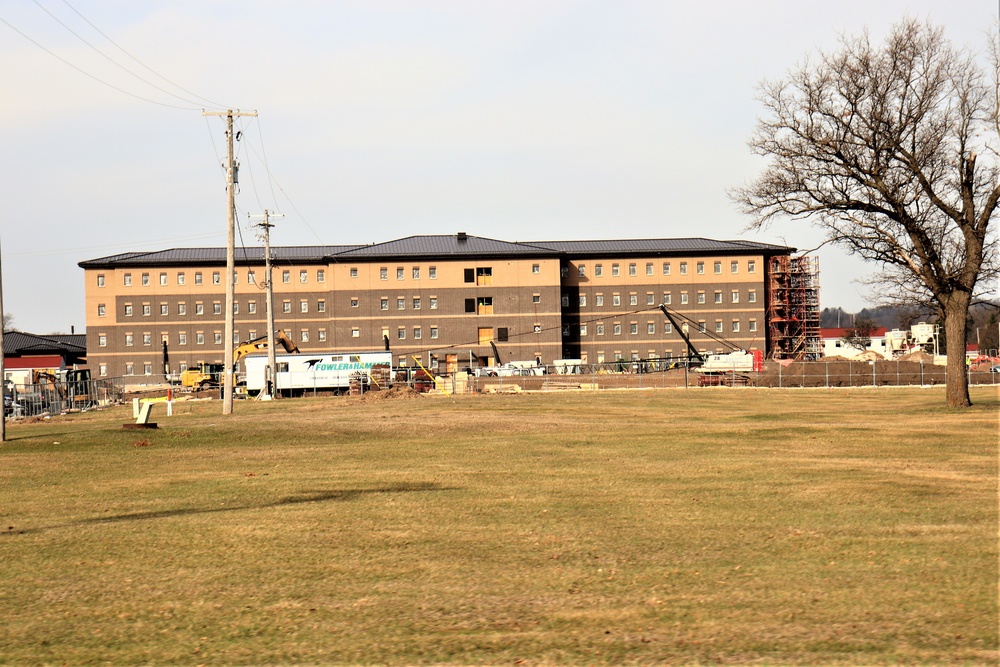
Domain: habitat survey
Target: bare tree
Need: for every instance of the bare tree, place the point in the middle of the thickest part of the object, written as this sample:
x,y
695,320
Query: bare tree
x,y
888,149
860,335
8,321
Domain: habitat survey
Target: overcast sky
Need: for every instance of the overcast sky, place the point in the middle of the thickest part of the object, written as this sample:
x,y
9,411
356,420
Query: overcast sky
x,y
536,120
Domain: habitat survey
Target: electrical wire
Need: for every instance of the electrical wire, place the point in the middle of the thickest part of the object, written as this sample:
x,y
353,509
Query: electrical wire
x,y
143,65
91,76
109,58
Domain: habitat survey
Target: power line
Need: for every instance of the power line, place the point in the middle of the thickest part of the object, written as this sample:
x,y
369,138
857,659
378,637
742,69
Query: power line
x,y
141,64
109,58
91,76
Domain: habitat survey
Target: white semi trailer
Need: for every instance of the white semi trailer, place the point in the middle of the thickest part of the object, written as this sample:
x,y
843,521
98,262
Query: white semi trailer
x,y
324,371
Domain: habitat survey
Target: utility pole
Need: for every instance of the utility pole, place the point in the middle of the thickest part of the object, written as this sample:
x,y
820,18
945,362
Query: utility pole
x,y
272,364
227,387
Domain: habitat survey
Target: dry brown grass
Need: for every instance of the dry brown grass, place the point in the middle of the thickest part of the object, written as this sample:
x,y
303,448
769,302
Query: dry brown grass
x,y
713,526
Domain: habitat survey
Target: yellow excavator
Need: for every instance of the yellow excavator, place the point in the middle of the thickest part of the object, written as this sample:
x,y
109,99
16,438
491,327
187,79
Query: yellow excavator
x,y
211,374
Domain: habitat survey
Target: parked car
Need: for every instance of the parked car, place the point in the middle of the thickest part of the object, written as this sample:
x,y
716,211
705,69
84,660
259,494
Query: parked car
x,y
995,369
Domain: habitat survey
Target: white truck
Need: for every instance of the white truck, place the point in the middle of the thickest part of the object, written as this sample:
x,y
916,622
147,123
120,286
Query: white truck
x,y
323,371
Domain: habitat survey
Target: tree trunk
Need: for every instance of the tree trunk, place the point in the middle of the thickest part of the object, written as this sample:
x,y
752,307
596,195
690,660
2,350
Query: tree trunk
x,y
956,310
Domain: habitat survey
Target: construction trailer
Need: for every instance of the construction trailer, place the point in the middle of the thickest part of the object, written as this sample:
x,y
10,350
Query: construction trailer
x,y
325,371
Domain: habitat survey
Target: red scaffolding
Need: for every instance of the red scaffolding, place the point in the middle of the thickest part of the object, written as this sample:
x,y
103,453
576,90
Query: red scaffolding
x,y
793,308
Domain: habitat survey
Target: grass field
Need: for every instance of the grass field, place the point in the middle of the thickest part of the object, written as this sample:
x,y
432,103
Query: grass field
x,y
852,527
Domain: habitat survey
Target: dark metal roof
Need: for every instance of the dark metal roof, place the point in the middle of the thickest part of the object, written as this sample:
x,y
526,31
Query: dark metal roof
x,y
660,246
216,256
16,343
450,245
445,246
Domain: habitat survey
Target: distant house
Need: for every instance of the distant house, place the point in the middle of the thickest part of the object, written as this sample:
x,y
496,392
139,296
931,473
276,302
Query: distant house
x,y
834,344
25,352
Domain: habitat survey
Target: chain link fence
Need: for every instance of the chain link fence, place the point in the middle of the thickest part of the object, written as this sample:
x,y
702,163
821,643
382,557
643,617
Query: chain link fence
x,y
57,397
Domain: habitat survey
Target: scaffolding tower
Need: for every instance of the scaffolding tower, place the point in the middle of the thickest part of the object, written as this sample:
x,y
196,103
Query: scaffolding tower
x,y
793,312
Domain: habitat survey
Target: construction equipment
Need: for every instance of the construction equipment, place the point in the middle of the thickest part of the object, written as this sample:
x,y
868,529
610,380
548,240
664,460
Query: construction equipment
x,y
209,375
726,369
206,375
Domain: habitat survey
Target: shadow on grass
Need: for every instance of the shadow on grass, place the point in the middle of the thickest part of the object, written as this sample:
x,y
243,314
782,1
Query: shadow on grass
x,y
340,495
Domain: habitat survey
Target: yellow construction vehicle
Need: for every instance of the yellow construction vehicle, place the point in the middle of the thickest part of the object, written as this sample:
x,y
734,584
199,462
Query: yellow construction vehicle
x,y
208,375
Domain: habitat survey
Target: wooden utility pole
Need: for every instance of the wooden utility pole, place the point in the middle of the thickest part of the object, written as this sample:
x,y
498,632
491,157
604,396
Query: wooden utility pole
x,y
272,364
227,387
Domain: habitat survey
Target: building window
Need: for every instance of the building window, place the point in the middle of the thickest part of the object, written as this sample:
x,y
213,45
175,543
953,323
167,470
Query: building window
x,y
147,368
684,268
600,329
145,279
181,278
127,279
563,271
182,338
102,310
700,268
320,275
631,269
616,300
355,332
614,270
286,306
583,300
433,302
217,338
565,300
354,272
432,273
684,298
102,340
303,306
701,326
383,273
199,338
303,276
400,273
416,333
198,278
598,270
147,339
599,300
717,267
321,306
146,311
581,271
128,340
355,302
416,303
100,280
718,297
536,328
401,333
751,266
400,304
199,309
633,299
384,304
434,332
103,369
650,299
718,326
216,278
668,328
667,298
415,273
251,277
736,296
129,368
321,335
701,297
633,328
650,328
536,269
128,310
583,330
217,308
666,268
752,296
649,268
752,325
304,336
164,310
736,326
617,329
252,307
